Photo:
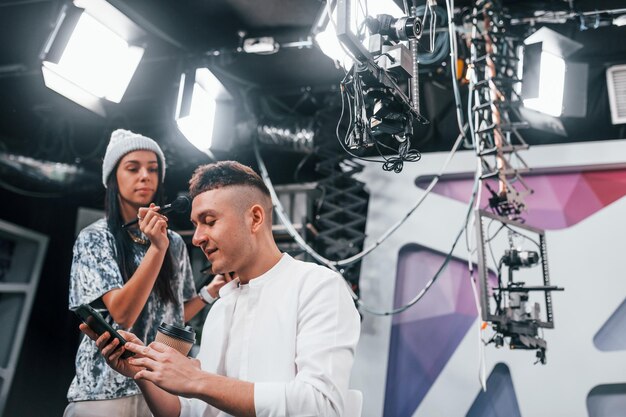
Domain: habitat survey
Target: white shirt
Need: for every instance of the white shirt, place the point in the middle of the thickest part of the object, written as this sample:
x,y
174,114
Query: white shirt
x,y
239,334
297,348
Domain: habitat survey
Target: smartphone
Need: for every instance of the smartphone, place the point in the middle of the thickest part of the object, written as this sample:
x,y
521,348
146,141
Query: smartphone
x,y
98,324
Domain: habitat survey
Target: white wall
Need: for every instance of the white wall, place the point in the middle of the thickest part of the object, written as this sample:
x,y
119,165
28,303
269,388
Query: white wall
x,y
585,258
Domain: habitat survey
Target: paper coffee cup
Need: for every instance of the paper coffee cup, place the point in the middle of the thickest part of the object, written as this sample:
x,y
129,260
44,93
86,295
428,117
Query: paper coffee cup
x,y
179,338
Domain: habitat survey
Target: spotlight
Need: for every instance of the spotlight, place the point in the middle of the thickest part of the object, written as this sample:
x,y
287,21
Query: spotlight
x,y
205,111
261,46
325,34
92,54
550,83
620,20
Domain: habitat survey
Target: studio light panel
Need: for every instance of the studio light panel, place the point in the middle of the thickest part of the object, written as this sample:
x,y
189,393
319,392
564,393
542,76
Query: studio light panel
x,y
92,54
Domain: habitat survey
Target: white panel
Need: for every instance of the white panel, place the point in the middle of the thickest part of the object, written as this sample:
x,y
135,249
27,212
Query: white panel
x,y
585,259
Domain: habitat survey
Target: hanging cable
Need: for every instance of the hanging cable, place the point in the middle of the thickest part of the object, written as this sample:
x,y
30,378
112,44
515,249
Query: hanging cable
x,y
439,45
443,266
333,265
453,68
391,230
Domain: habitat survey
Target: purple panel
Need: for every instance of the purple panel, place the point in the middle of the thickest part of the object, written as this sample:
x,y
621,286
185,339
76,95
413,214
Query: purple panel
x,y
611,335
499,400
607,400
546,219
560,199
419,351
464,304
424,337
552,190
416,266
582,203
563,186
458,189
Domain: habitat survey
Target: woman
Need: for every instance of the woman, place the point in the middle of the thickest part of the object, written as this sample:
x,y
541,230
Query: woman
x,y
140,275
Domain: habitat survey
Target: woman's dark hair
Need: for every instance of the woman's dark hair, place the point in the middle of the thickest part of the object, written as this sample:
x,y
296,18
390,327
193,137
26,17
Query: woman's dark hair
x,y
124,244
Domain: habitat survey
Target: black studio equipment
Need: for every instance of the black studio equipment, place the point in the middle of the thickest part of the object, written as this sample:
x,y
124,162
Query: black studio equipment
x,y
396,29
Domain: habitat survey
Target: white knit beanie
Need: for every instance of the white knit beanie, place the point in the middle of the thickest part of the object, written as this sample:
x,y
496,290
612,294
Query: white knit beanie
x,y
124,141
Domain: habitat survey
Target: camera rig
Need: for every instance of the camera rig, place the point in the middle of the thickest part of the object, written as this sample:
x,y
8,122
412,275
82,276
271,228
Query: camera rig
x,y
382,81
508,313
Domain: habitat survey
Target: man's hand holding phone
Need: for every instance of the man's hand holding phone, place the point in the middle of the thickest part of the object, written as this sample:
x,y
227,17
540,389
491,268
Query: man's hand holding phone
x,y
112,351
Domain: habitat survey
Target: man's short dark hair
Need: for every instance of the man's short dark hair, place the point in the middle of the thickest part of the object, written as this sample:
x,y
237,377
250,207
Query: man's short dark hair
x,y
224,174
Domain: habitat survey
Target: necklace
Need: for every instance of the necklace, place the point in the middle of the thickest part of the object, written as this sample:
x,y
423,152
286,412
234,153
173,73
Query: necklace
x,y
137,239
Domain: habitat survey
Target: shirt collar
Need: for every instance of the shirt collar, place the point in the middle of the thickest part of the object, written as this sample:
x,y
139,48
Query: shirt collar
x,y
229,288
272,272
260,280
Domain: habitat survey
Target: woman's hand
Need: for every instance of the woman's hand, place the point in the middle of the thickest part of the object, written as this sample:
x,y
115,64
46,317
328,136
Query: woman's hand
x,y
112,351
218,282
154,225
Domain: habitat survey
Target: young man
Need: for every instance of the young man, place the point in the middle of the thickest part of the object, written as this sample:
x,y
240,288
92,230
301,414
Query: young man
x,y
280,341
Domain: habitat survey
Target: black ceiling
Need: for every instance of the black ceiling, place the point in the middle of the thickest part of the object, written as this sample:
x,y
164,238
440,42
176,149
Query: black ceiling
x,y
35,121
